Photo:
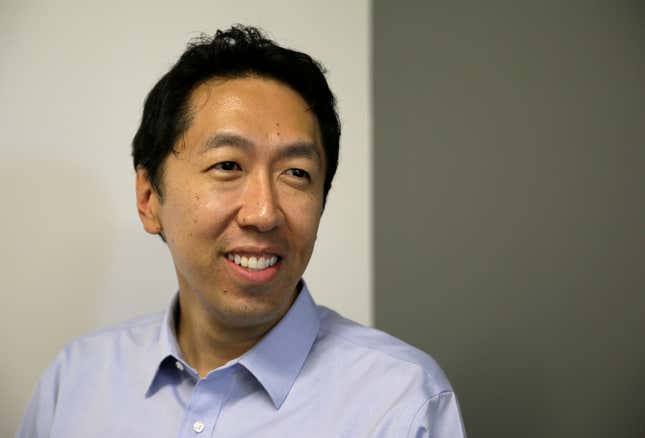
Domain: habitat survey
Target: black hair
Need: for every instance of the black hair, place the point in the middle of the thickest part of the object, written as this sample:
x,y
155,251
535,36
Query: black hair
x,y
236,52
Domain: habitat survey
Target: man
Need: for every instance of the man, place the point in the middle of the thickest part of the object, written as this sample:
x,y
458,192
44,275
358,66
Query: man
x,y
234,157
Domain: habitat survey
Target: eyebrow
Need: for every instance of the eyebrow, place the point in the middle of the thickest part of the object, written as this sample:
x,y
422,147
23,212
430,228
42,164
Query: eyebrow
x,y
297,149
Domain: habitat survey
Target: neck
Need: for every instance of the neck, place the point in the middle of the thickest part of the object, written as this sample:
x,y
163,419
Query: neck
x,y
205,342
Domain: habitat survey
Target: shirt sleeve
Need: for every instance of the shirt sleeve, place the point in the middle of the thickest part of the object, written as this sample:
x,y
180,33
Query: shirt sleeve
x,y
38,417
438,417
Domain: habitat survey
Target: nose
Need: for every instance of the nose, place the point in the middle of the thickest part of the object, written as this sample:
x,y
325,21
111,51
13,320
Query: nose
x,y
259,208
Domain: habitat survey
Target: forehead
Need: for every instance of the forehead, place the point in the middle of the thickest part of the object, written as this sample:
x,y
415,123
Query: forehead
x,y
264,110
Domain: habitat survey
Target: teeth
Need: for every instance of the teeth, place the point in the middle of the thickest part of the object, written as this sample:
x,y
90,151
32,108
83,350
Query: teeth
x,y
253,263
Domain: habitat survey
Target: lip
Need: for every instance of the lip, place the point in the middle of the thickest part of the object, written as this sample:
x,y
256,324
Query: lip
x,y
253,277
256,251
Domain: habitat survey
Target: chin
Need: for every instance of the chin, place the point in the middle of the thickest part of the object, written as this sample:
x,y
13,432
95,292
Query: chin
x,y
250,306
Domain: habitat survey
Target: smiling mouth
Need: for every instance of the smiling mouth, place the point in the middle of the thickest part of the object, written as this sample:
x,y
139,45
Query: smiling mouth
x,y
254,263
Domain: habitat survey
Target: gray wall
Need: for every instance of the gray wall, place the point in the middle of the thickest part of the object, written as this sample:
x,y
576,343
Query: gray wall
x,y
509,190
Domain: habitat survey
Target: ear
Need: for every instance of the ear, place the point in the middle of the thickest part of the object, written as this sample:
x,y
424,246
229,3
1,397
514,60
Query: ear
x,y
148,203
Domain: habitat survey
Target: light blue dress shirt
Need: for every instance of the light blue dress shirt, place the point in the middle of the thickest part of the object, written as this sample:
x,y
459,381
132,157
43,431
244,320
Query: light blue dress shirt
x,y
315,374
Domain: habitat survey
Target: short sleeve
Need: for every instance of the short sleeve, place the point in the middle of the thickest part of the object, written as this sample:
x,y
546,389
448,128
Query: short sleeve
x,y
38,417
438,417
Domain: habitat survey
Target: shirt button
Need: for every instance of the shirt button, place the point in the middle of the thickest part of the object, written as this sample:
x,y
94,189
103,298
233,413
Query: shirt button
x,y
179,365
198,426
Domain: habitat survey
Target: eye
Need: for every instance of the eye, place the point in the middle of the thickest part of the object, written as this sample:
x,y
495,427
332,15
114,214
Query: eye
x,y
298,173
228,166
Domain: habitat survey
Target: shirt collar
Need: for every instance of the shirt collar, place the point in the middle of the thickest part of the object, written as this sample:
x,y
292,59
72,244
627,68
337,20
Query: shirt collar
x,y
275,361
163,348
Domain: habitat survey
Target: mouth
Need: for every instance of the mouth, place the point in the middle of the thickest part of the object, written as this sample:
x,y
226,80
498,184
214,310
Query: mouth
x,y
254,262
254,267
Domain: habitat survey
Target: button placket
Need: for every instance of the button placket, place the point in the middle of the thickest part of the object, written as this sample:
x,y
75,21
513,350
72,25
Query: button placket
x,y
206,403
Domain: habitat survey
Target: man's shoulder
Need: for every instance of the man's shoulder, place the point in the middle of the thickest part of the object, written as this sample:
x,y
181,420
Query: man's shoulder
x,y
136,334
138,330
380,349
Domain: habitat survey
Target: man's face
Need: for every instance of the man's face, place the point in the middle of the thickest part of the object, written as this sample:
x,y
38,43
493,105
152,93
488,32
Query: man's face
x,y
242,198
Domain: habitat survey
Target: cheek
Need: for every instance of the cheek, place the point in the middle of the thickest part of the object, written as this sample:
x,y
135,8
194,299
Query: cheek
x,y
305,217
193,213
211,212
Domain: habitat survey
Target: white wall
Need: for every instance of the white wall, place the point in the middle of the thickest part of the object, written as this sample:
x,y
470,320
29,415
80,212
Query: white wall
x,y
73,77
